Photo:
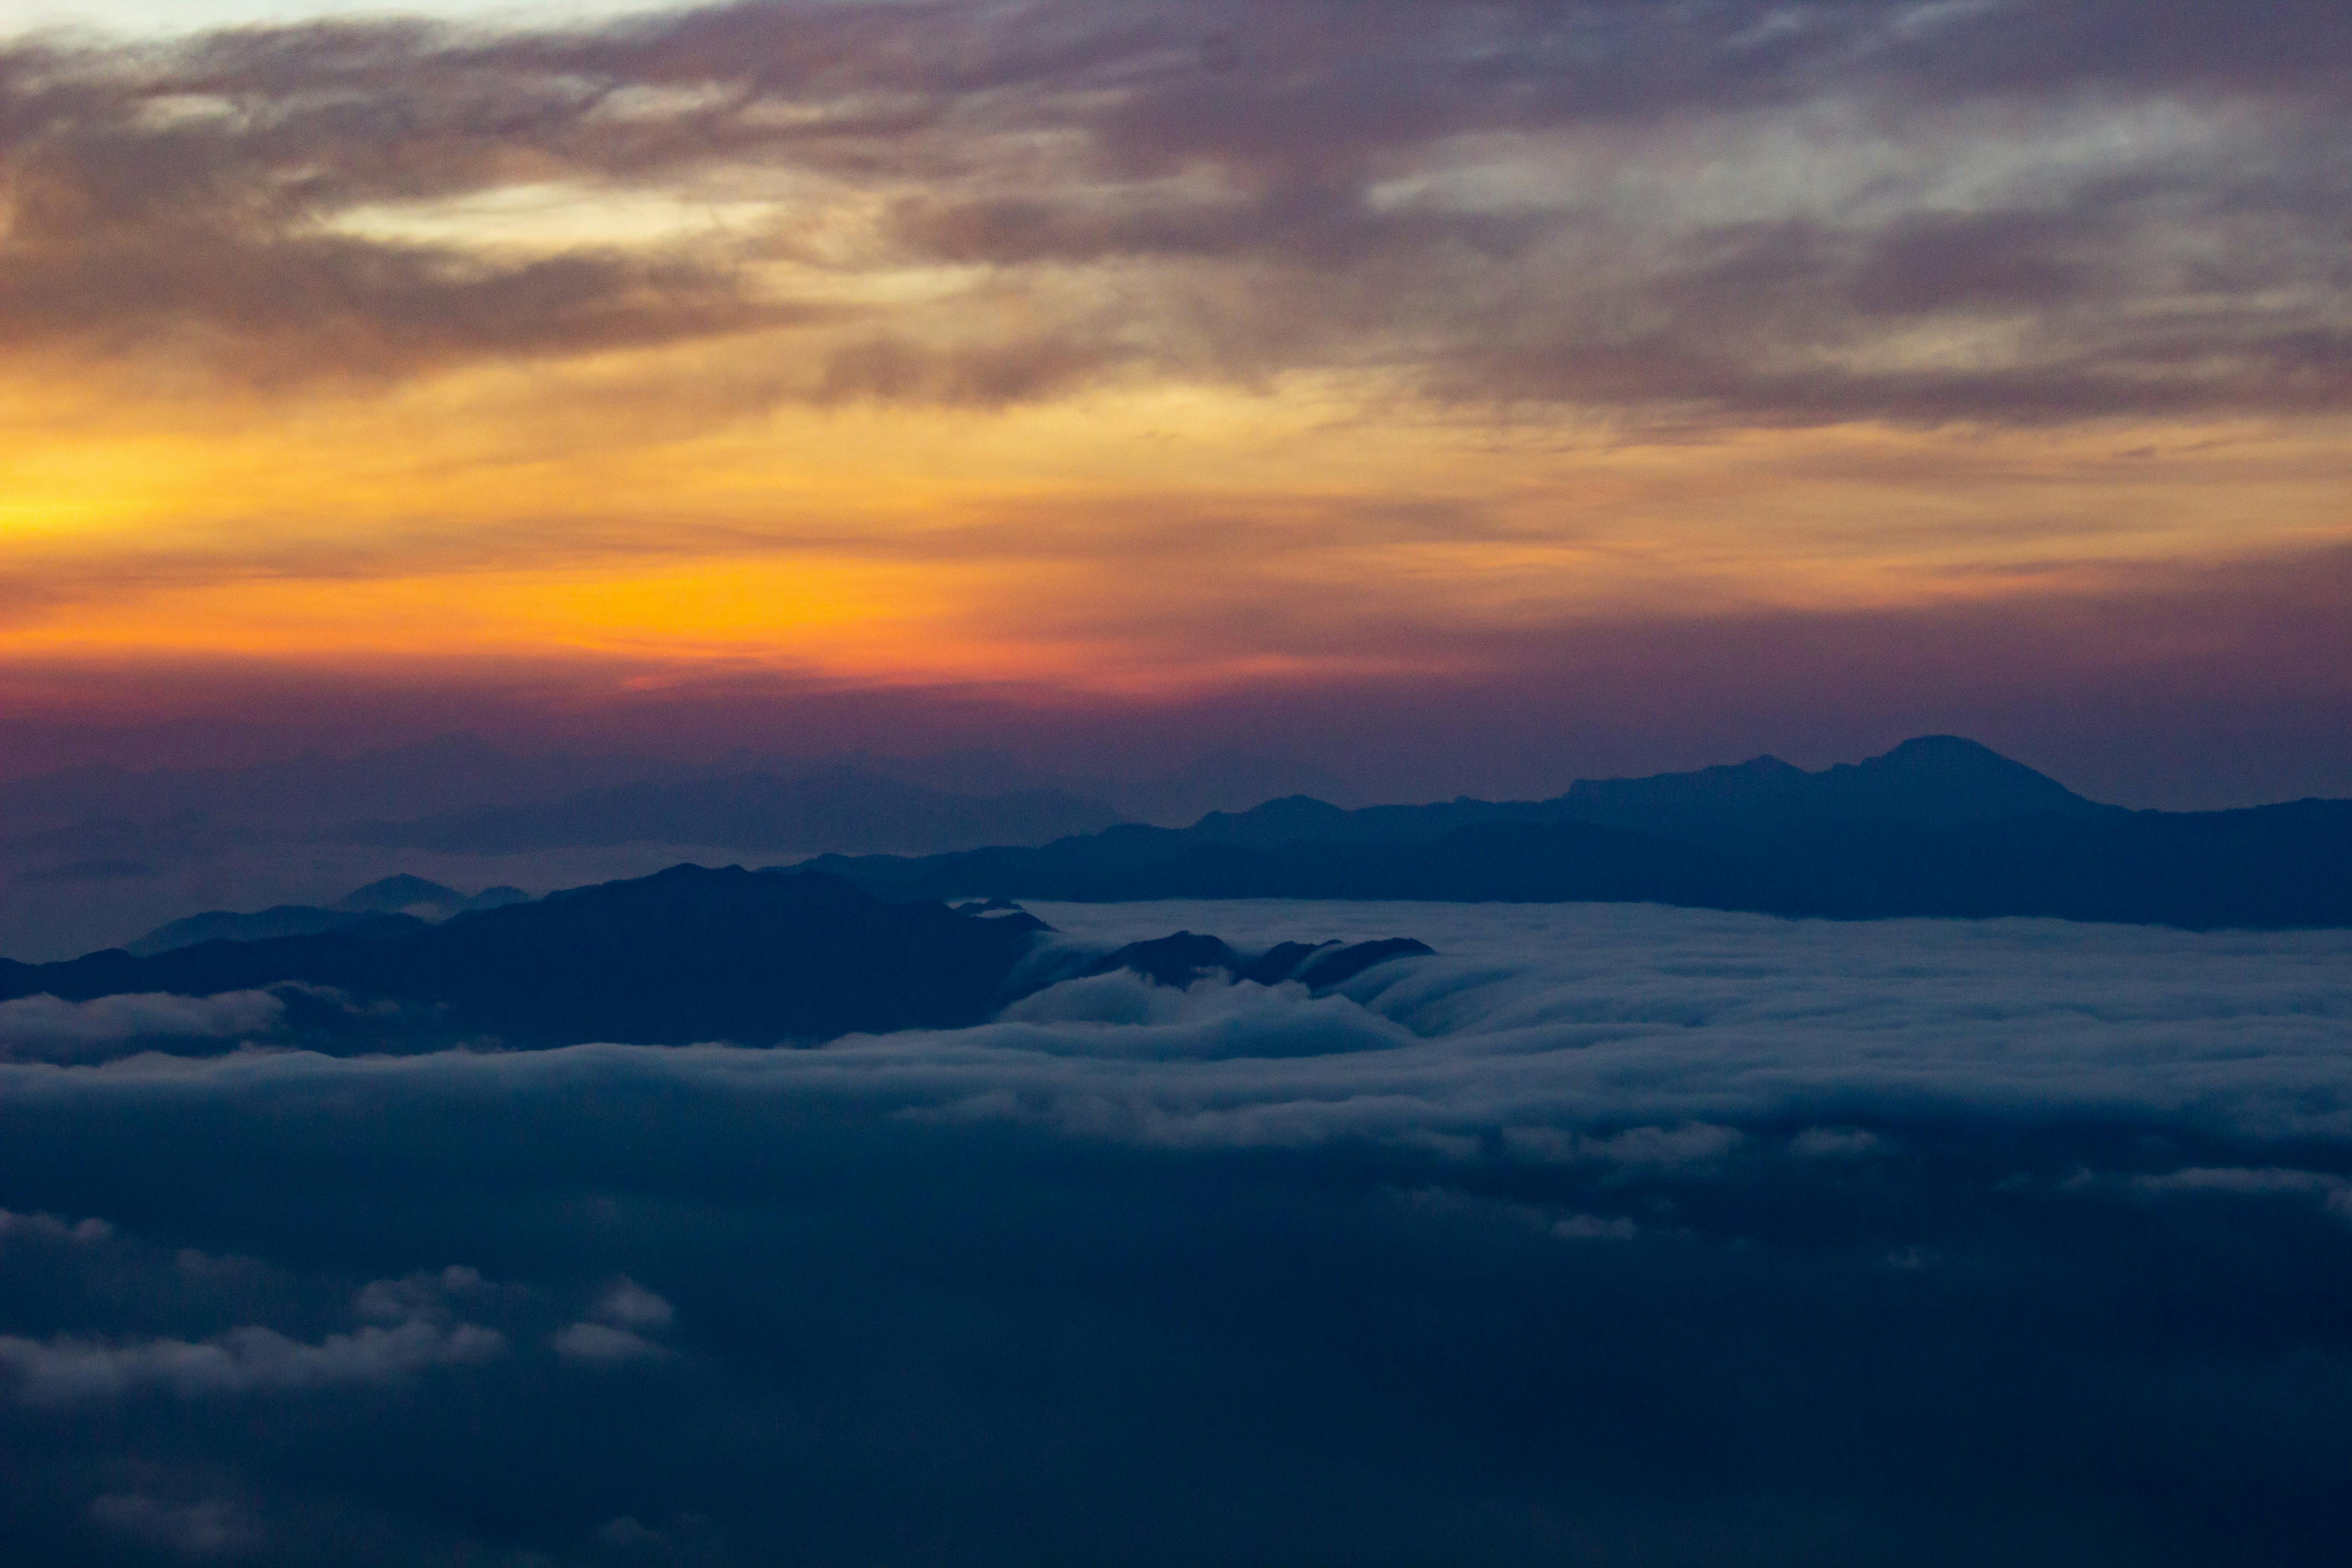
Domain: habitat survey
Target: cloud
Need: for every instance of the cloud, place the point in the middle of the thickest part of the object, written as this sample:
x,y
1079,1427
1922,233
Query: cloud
x,y
50,1228
1693,1144
413,1332
66,1371
625,1534
1590,1227
617,1326
198,1531
1834,1143
2186,687
1729,213
603,1345
1899,1236
2335,1192
1616,1035
424,1296
1660,1040
630,1305
43,1028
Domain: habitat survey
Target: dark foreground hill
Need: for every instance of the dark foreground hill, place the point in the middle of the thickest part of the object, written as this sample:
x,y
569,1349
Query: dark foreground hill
x,y
1939,827
689,955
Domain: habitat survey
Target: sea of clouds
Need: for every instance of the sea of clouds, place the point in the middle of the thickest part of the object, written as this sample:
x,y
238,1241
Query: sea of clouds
x,y
1609,1234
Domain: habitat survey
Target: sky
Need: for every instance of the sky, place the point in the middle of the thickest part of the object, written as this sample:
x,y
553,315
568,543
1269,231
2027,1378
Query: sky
x,y
1461,396
1610,1235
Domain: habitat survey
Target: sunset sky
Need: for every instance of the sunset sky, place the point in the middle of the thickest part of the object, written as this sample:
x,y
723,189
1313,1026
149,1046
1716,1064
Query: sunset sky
x,y
1462,392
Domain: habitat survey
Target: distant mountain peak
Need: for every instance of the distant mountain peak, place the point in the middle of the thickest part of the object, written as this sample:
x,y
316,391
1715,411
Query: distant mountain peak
x,y
1938,751
1929,781
390,895
1955,745
1945,778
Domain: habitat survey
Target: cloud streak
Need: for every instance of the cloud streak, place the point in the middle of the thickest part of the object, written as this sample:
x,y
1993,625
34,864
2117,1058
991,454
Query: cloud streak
x,y
1734,213
252,1360
43,1028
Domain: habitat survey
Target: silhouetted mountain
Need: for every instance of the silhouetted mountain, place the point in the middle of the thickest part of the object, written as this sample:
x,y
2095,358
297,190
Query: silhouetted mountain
x,y
1937,827
397,895
1940,780
1222,781
451,772
229,925
135,849
51,853
689,955
1498,861
1935,781
390,895
753,811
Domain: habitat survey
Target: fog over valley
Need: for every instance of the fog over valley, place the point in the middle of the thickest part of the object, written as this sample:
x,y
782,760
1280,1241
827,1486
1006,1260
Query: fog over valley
x,y
1605,1234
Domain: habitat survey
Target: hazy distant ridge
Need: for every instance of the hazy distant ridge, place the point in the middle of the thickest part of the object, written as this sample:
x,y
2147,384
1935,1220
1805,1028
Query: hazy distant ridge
x,y
754,811
1937,827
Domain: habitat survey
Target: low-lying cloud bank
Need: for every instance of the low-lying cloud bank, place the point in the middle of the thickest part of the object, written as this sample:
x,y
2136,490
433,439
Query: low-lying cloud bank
x,y
1610,1234
43,1028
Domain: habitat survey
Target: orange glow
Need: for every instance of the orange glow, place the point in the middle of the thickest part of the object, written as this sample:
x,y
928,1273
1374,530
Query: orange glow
x,y
1157,537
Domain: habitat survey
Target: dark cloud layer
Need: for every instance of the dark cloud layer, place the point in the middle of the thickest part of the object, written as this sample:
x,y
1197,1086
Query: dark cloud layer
x,y
1612,1236
2026,211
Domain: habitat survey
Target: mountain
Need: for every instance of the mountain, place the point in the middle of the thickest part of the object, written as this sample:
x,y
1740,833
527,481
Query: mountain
x,y
753,811
1221,780
230,925
405,894
90,853
451,772
1937,782
688,955
372,907
685,956
1539,862
873,803
1939,827
454,774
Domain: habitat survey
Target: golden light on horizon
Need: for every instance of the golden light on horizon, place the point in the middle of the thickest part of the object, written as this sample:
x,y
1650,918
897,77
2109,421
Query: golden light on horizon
x,y
690,371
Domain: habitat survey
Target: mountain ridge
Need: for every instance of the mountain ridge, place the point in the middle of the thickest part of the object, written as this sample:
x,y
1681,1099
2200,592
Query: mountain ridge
x,y
1939,827
688,954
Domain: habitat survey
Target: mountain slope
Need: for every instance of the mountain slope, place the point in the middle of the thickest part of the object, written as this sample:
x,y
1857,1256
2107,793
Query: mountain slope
x,y
369,907
1939,827
689,955
685,956
1765,805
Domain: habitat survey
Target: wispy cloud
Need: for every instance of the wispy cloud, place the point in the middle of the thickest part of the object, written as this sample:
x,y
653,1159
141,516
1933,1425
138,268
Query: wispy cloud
x,y
1124,357
68,1371
1736,213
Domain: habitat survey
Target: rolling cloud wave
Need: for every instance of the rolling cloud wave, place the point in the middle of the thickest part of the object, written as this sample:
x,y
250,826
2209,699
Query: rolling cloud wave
x,y
1515,1250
